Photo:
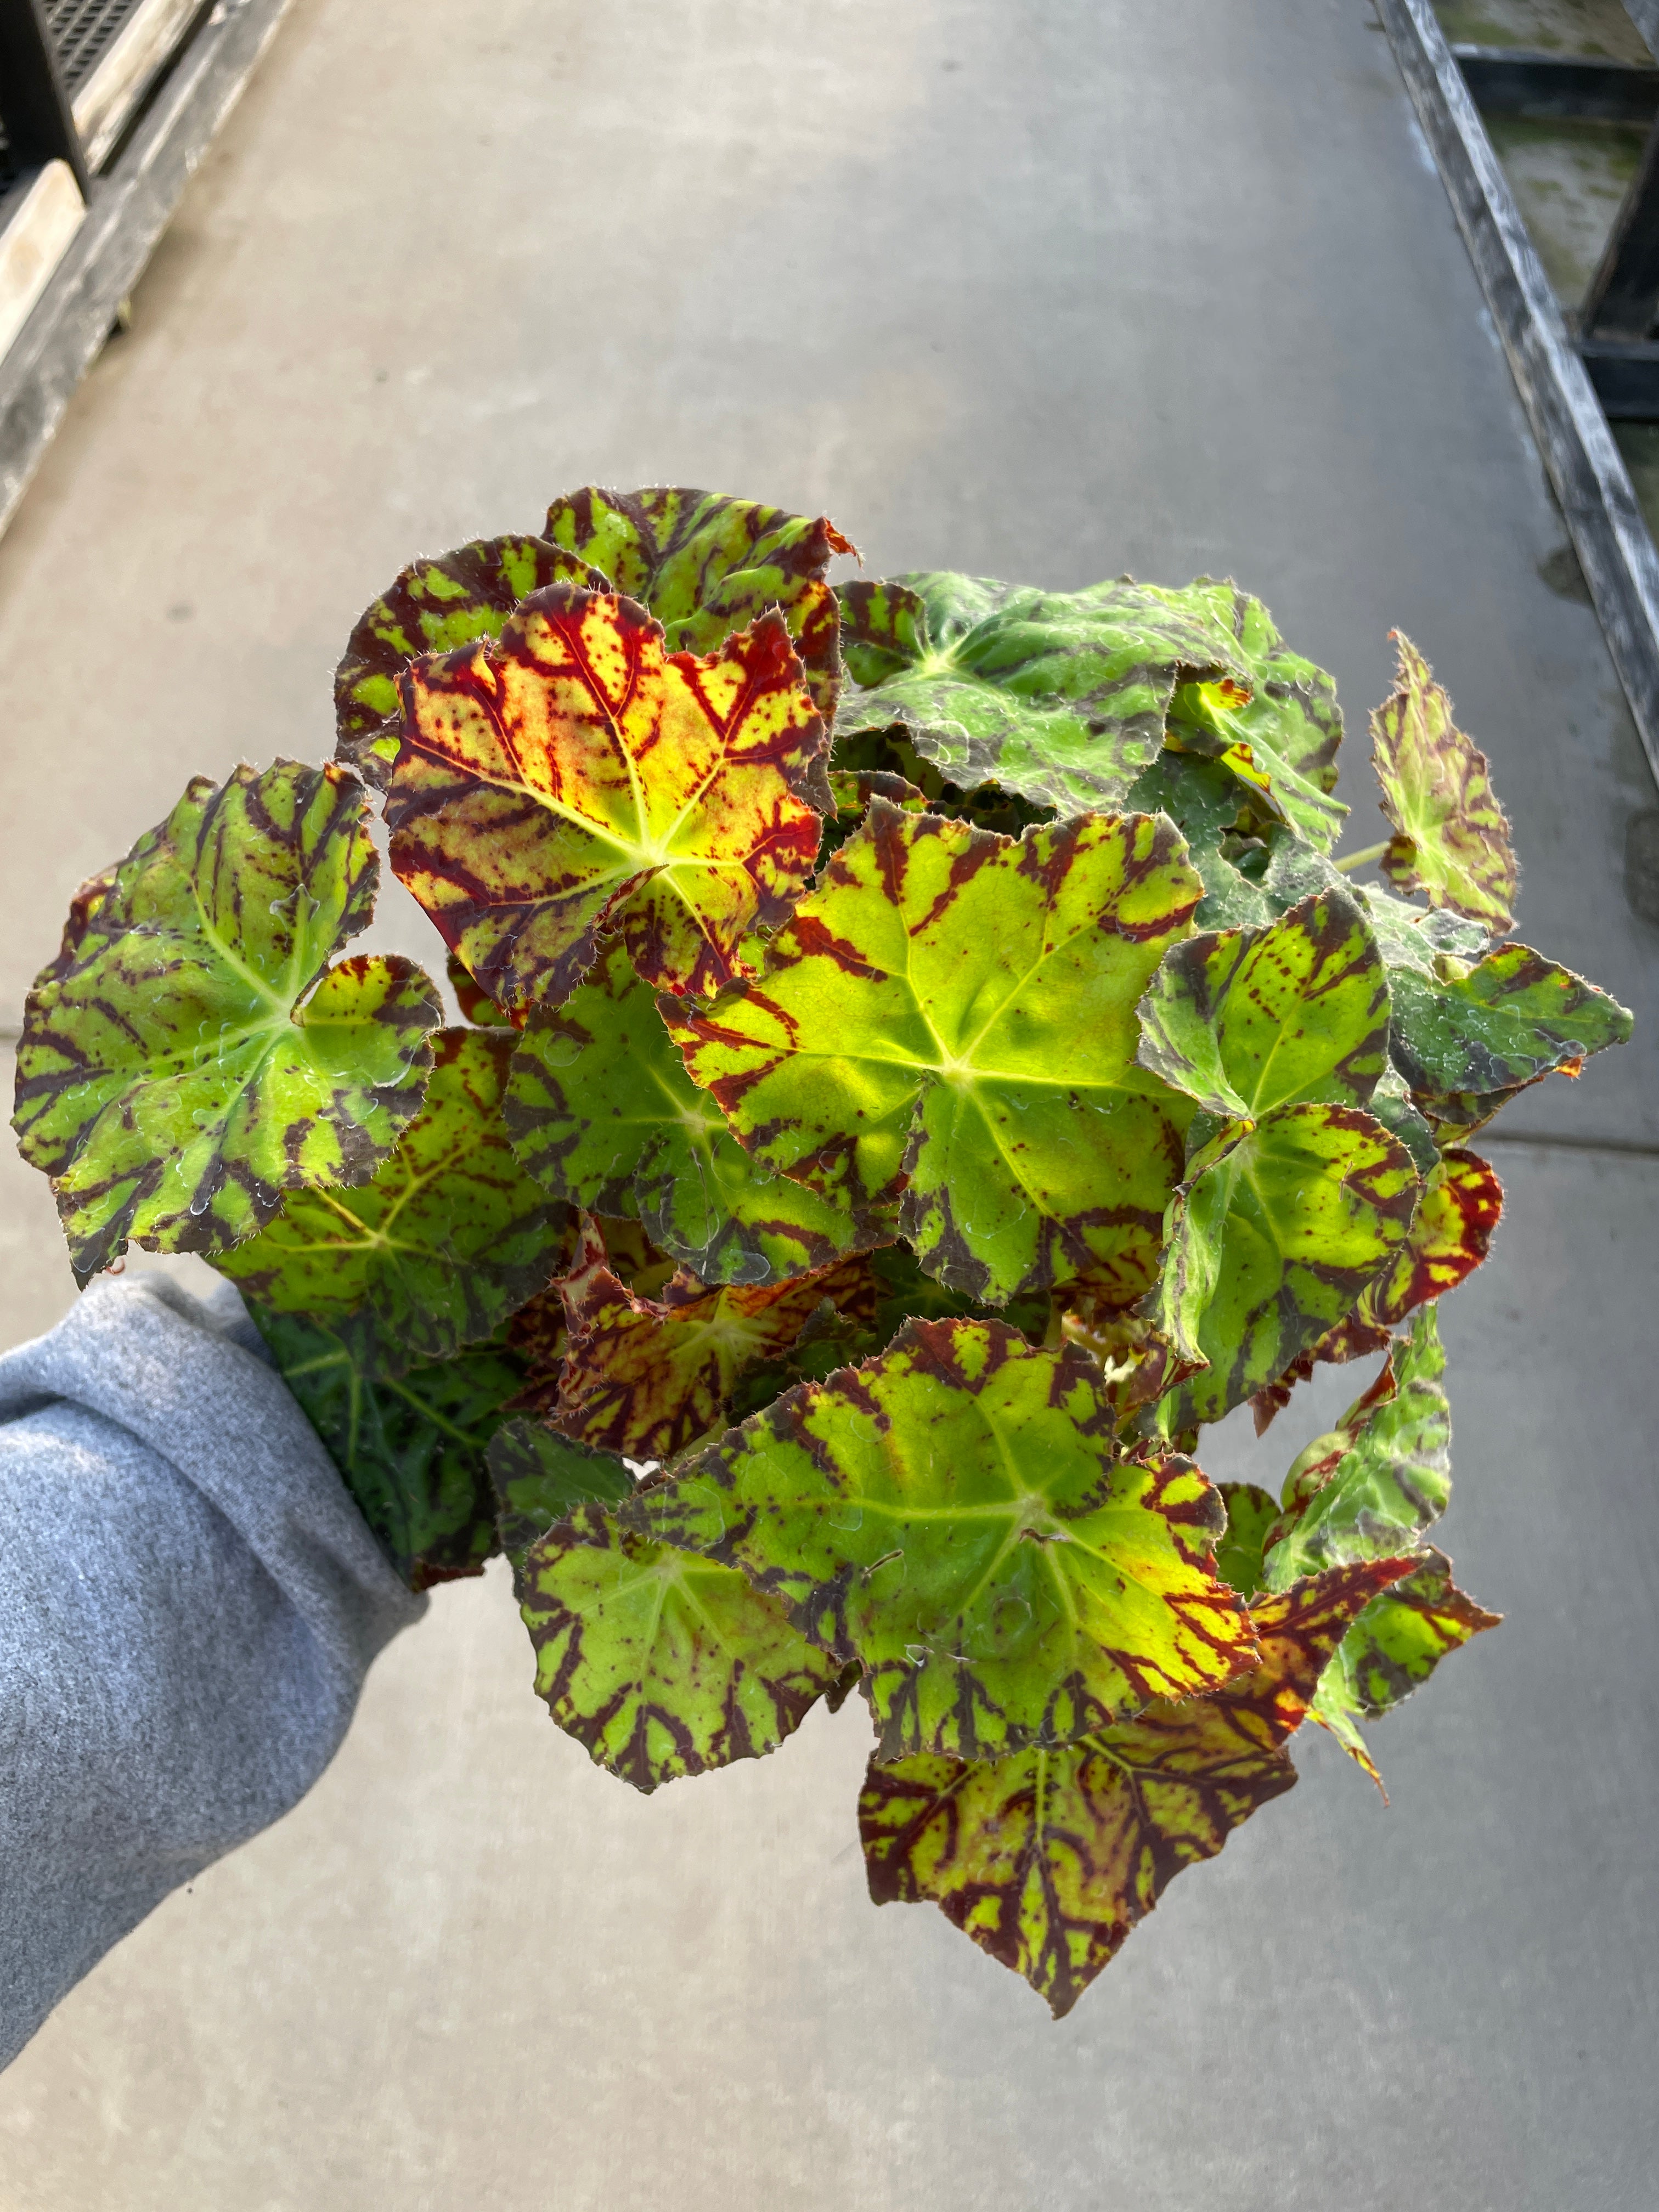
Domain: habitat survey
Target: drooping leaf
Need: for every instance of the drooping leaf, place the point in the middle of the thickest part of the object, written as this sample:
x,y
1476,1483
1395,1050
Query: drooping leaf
x,y
1496,1025
1392,1648
410,1447
1451,838
1279,732
1370,1489
706,566
950,1016
571,776
434,606
661,1663
602,1113
954,1517
1048,1858
647,1379
1278,1231
450,1238
1061,697
539,1479
1462,1203
1251,1512
195,1057
1246,1020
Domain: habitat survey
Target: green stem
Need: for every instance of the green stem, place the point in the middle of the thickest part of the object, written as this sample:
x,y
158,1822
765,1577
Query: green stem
x,y
1364,860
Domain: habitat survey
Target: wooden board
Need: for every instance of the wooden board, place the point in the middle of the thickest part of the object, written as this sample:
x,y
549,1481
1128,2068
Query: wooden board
x,y
41,216
103,105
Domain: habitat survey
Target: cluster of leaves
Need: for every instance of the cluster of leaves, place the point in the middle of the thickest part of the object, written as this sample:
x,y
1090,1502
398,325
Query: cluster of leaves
x,y
920,1065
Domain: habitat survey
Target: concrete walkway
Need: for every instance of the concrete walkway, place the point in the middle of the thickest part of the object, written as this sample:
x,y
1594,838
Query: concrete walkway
x,y
1049,290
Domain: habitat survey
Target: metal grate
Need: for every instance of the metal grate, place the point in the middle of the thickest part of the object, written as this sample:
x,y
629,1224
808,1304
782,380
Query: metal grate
x,y
82,32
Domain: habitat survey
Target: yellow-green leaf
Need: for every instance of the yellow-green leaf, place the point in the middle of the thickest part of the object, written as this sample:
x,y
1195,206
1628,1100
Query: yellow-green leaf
x,y
1451,838
572,776
190,1056
954,1515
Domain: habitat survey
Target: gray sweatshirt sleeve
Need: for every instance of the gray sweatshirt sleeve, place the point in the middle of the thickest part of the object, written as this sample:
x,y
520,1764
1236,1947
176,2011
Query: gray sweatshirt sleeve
x,y
189,1602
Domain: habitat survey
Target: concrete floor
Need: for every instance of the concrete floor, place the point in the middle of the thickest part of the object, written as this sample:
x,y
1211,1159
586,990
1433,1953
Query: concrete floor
x,y
1050,290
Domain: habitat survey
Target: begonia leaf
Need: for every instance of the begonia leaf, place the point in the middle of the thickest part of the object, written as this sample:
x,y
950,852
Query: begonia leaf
x,y
1392,1648
1204,800
1451,838
450,1238
539,1479
1061,697
1462,1203
434,606
1246,1020
1391,1104
1251,1512
662,1664
1429,940
571,776
197,1058
1496,1025
410,1446
1370,1489
647,1379
1278,733
952,1016
1048,1858
602,1113
706,565
618,1251
476,1005
1271,1242
954,1517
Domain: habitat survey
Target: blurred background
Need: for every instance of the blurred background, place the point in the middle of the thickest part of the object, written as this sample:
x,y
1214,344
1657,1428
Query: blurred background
x,y
1049,290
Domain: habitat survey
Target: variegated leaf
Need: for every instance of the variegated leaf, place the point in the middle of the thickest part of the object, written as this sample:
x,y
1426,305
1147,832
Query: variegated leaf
x,y
1278,733
1048,1858
1060,696
1392,1648
1279,1229
1251,1512
1462,1203
190,1056
602,1113
661,1663
572,776
954,1517
435,605
1495,1025
950,1016
450,1238
539,1479
706,565
1451,838
1371,1487
647,1379
1246,1020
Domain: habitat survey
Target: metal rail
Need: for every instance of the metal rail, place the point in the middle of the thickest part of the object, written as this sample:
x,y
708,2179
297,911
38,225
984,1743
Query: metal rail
x,y
1598,501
